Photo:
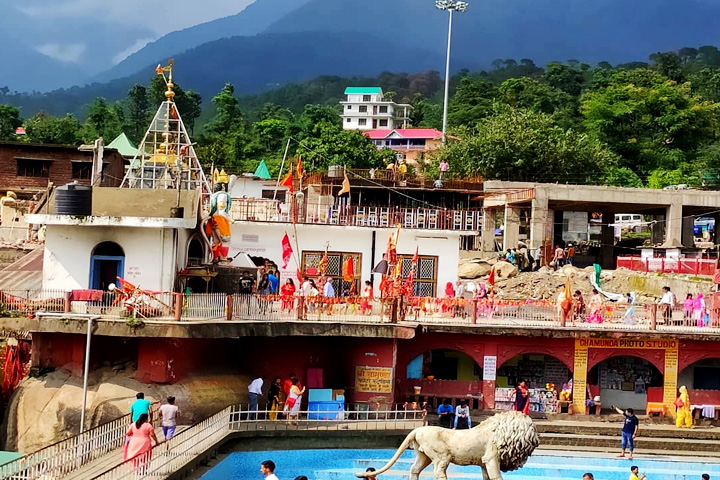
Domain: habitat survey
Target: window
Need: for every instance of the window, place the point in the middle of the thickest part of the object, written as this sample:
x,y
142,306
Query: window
x,y
366,98
81,170
334,269
30,167
383,123
362,121
349,107
279,195
425,274
383,108
347,120
362,109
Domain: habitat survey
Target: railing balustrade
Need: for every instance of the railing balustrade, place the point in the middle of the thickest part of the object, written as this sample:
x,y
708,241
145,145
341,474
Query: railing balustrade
x,y
66,456
171,455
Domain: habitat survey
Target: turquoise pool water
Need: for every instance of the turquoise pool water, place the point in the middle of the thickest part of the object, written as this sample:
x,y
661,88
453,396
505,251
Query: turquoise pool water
x,y
342,465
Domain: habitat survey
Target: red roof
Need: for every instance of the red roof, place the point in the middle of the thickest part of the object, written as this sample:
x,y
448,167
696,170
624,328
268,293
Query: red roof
x,y
404,133
20,131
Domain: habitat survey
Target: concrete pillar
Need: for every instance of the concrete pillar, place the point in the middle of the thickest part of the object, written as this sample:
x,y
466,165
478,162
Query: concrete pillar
x,y
673,224
687,237
657,230
488,386
539,214
511,234
487,235
607,239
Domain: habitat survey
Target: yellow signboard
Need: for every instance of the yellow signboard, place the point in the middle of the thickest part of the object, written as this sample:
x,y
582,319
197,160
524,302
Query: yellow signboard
x,y
373,379
636,344
580,377
670,384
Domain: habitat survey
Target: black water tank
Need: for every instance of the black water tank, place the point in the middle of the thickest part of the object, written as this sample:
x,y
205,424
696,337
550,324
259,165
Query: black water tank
x,y
73,199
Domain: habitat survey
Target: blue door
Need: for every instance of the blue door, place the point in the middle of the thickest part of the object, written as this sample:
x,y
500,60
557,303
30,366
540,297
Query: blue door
x,y
104,270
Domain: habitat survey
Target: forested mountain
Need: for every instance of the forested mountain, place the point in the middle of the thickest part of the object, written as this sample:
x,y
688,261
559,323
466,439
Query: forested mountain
x,y
254,19
287,58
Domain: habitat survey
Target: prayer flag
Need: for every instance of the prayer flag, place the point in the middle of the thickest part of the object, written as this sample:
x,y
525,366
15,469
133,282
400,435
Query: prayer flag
x,y
286,251
322,266
345,186
349,270
299,168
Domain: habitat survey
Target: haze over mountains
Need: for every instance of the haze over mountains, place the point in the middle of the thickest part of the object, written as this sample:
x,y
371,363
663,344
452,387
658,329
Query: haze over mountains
x,y
277,41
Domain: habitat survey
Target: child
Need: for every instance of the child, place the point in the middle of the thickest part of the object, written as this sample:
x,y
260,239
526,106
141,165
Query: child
x,y
688,307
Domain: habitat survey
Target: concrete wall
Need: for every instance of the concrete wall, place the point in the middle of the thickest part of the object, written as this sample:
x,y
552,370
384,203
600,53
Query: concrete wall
x,y
252,188
265,240
149,256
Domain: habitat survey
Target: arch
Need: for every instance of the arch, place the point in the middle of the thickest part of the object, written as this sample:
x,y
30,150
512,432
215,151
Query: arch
x,y
565,355
110,249
195,252
443,364
628,379
597,355
107,263
536,369
703,374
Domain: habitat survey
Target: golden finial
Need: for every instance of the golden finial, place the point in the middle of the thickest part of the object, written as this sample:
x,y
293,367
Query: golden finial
x,y
160,70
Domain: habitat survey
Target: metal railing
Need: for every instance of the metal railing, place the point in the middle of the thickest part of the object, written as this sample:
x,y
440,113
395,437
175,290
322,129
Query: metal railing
x,y
65,456
688,266
262,210
171,455
27,302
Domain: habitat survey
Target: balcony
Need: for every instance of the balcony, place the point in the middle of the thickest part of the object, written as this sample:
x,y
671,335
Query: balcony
x,y
389,178
261,210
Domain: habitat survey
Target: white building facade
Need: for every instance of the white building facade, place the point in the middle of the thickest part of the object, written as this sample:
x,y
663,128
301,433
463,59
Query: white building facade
x,y
366,108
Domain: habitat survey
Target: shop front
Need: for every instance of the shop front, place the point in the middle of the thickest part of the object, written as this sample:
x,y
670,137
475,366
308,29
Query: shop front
x,y
637,373
543,374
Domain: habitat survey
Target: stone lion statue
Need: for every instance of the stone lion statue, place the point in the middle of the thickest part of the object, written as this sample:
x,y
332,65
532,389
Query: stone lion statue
x,y
501,443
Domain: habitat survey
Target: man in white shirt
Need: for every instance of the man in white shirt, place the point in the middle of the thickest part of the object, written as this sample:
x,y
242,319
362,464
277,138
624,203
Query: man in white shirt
x,y
255,390
168,413
267,468
667,302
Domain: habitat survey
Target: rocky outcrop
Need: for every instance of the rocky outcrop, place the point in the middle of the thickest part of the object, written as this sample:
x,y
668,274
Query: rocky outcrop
x,y
505,270
474,269
47,409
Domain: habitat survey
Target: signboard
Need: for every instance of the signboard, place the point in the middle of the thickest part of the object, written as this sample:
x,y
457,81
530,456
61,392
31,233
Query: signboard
x,y
489,368
373,379
635,344
670,377
580,376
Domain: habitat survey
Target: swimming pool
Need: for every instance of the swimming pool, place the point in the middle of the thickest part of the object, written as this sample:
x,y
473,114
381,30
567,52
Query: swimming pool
x,y
343,464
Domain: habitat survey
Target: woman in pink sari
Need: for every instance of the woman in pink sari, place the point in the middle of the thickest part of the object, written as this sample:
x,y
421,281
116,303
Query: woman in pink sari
x,y
138,445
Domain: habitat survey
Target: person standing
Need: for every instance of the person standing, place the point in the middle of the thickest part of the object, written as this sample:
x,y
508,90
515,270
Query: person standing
x,y
522,398
287,293
272,276
304,294
267,468
699,309
684,414
595,307
559,257
366,298
264,290
667,302
255,391
293,402
570,256
462,416
169,413
287,384
275,397
138,444
444,167
140,406
445,414
329,295
629,430
634,473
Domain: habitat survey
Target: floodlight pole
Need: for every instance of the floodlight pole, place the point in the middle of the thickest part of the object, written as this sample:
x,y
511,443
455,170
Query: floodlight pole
x,y
450,6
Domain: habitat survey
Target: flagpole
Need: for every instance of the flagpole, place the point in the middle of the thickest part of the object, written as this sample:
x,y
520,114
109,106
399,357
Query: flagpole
x,y
282,167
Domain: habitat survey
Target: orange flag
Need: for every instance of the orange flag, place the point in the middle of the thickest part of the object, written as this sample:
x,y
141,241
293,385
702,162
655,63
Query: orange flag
x,y
349,270
345,186
287,181
299,168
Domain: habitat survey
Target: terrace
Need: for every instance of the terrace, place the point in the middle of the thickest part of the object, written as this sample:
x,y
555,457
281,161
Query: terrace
x,y
167,308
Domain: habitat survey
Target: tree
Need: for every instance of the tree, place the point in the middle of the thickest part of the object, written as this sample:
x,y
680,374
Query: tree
x,y
565,78
517,144
650,121
190,109
44,128
271,133
9,121
331,145
472,101
529,93
669,64
228,116
138,106
101,121
313,116
276,112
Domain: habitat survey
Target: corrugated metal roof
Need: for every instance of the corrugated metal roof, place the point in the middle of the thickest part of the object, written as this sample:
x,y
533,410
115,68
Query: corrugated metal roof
x,y
25,273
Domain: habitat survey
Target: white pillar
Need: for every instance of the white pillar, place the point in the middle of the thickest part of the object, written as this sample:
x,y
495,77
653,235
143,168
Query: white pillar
x,y
673,224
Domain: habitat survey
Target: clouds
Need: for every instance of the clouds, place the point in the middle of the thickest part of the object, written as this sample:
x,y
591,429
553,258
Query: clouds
x,y
72,52
153,14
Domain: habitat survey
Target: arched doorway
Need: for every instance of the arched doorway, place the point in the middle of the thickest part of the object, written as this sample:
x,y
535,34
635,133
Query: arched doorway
x,y
702,380
626,381
442,373
196,253
537,371
107,262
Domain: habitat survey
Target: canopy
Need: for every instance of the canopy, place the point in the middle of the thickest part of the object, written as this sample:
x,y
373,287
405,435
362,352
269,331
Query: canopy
x,y
262,171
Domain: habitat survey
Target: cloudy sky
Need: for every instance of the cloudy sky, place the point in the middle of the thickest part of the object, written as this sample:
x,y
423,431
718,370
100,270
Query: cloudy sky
x,y
146,13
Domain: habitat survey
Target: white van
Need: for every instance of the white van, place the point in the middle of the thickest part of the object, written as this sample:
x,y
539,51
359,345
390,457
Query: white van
x,y
628,219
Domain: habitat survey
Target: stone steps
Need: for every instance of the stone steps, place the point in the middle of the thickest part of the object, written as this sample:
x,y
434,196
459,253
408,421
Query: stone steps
x,y
642,443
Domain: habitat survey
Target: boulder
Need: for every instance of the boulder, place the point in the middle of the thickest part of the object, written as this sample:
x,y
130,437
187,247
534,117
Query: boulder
x,y
45,410
473,270
505,270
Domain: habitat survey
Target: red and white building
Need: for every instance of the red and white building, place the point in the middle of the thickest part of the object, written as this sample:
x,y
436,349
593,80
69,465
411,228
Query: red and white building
x,y
412,143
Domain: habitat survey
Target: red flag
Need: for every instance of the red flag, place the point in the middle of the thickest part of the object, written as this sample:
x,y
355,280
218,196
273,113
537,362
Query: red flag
x,y
410,281
491,278
287,181
349,270
299,168
286,251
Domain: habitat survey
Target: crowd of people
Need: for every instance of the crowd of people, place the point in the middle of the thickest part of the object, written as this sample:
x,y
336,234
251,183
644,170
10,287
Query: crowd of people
x,y
283,397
